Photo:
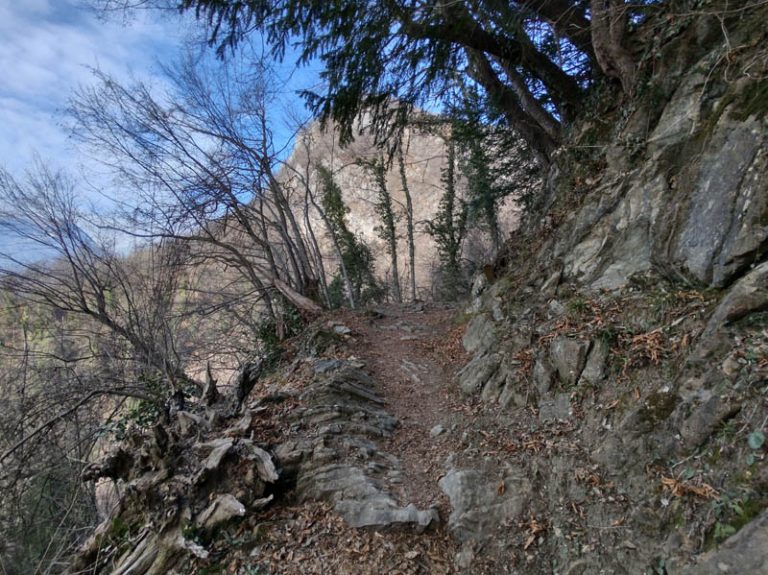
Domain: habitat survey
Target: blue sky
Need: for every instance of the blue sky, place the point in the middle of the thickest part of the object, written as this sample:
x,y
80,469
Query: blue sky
x,y
47,48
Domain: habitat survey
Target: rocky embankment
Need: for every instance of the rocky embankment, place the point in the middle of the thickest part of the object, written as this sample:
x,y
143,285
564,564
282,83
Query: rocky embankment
x,y
610,417
310,433
564,446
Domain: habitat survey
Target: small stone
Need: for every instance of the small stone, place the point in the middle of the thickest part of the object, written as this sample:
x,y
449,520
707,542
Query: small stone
x,y
556,309
341,329
436,430
465,557
730,367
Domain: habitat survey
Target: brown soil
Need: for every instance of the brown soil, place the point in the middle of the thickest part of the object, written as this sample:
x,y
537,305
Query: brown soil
x,y
413,353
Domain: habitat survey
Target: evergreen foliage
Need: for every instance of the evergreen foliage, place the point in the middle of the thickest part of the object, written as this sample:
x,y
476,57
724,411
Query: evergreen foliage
x,y
449,227
492,160
357,260
387,230
533,60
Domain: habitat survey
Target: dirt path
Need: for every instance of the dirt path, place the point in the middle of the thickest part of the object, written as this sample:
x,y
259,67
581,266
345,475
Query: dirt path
x,y
413,353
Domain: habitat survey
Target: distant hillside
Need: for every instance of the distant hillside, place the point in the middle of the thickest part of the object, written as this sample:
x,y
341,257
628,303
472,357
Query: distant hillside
x,y
425,159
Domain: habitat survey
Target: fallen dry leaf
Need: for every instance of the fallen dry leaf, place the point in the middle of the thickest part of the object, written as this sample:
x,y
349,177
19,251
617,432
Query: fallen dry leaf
x,y
680,488
529,542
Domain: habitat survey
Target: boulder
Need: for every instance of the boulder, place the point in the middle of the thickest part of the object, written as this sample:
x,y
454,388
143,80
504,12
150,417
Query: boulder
x,y
495,385
749,294
568,356
594,369
480,335
745,552
478,372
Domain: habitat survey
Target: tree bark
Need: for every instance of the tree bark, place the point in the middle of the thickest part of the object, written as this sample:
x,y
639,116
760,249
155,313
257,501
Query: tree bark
x,y
609,26
301,302
408,222
542,144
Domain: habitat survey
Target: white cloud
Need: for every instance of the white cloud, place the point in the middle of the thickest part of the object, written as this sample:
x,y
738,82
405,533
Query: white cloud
x,y
46,51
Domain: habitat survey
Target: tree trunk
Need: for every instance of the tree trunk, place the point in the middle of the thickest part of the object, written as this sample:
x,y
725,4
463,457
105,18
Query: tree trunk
x,y
609,26
409,223
317,253
542,144
301,302
388,230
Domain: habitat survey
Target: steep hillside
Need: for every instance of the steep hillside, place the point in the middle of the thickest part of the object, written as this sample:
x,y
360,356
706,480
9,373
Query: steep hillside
x,y
630,325
609,415
425,159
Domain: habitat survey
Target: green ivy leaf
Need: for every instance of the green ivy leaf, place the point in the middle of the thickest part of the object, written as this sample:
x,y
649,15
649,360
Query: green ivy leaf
x,y
756,439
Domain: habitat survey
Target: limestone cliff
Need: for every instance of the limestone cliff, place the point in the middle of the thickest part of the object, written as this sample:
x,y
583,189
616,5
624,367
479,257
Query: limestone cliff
x,y
425,158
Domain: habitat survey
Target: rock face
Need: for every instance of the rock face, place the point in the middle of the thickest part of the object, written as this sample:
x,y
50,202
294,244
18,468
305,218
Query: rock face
x,y
689,197
341,463
479,506
745,552
601,401
425,159
568,356
635,385
194,477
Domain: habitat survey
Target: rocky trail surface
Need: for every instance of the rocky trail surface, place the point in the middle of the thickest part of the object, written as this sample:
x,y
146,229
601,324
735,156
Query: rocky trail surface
x,y
414,354
417,439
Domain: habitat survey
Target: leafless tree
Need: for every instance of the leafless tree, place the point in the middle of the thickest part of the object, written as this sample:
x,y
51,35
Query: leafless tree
x,y
202,165
83,328
409,223
84,276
